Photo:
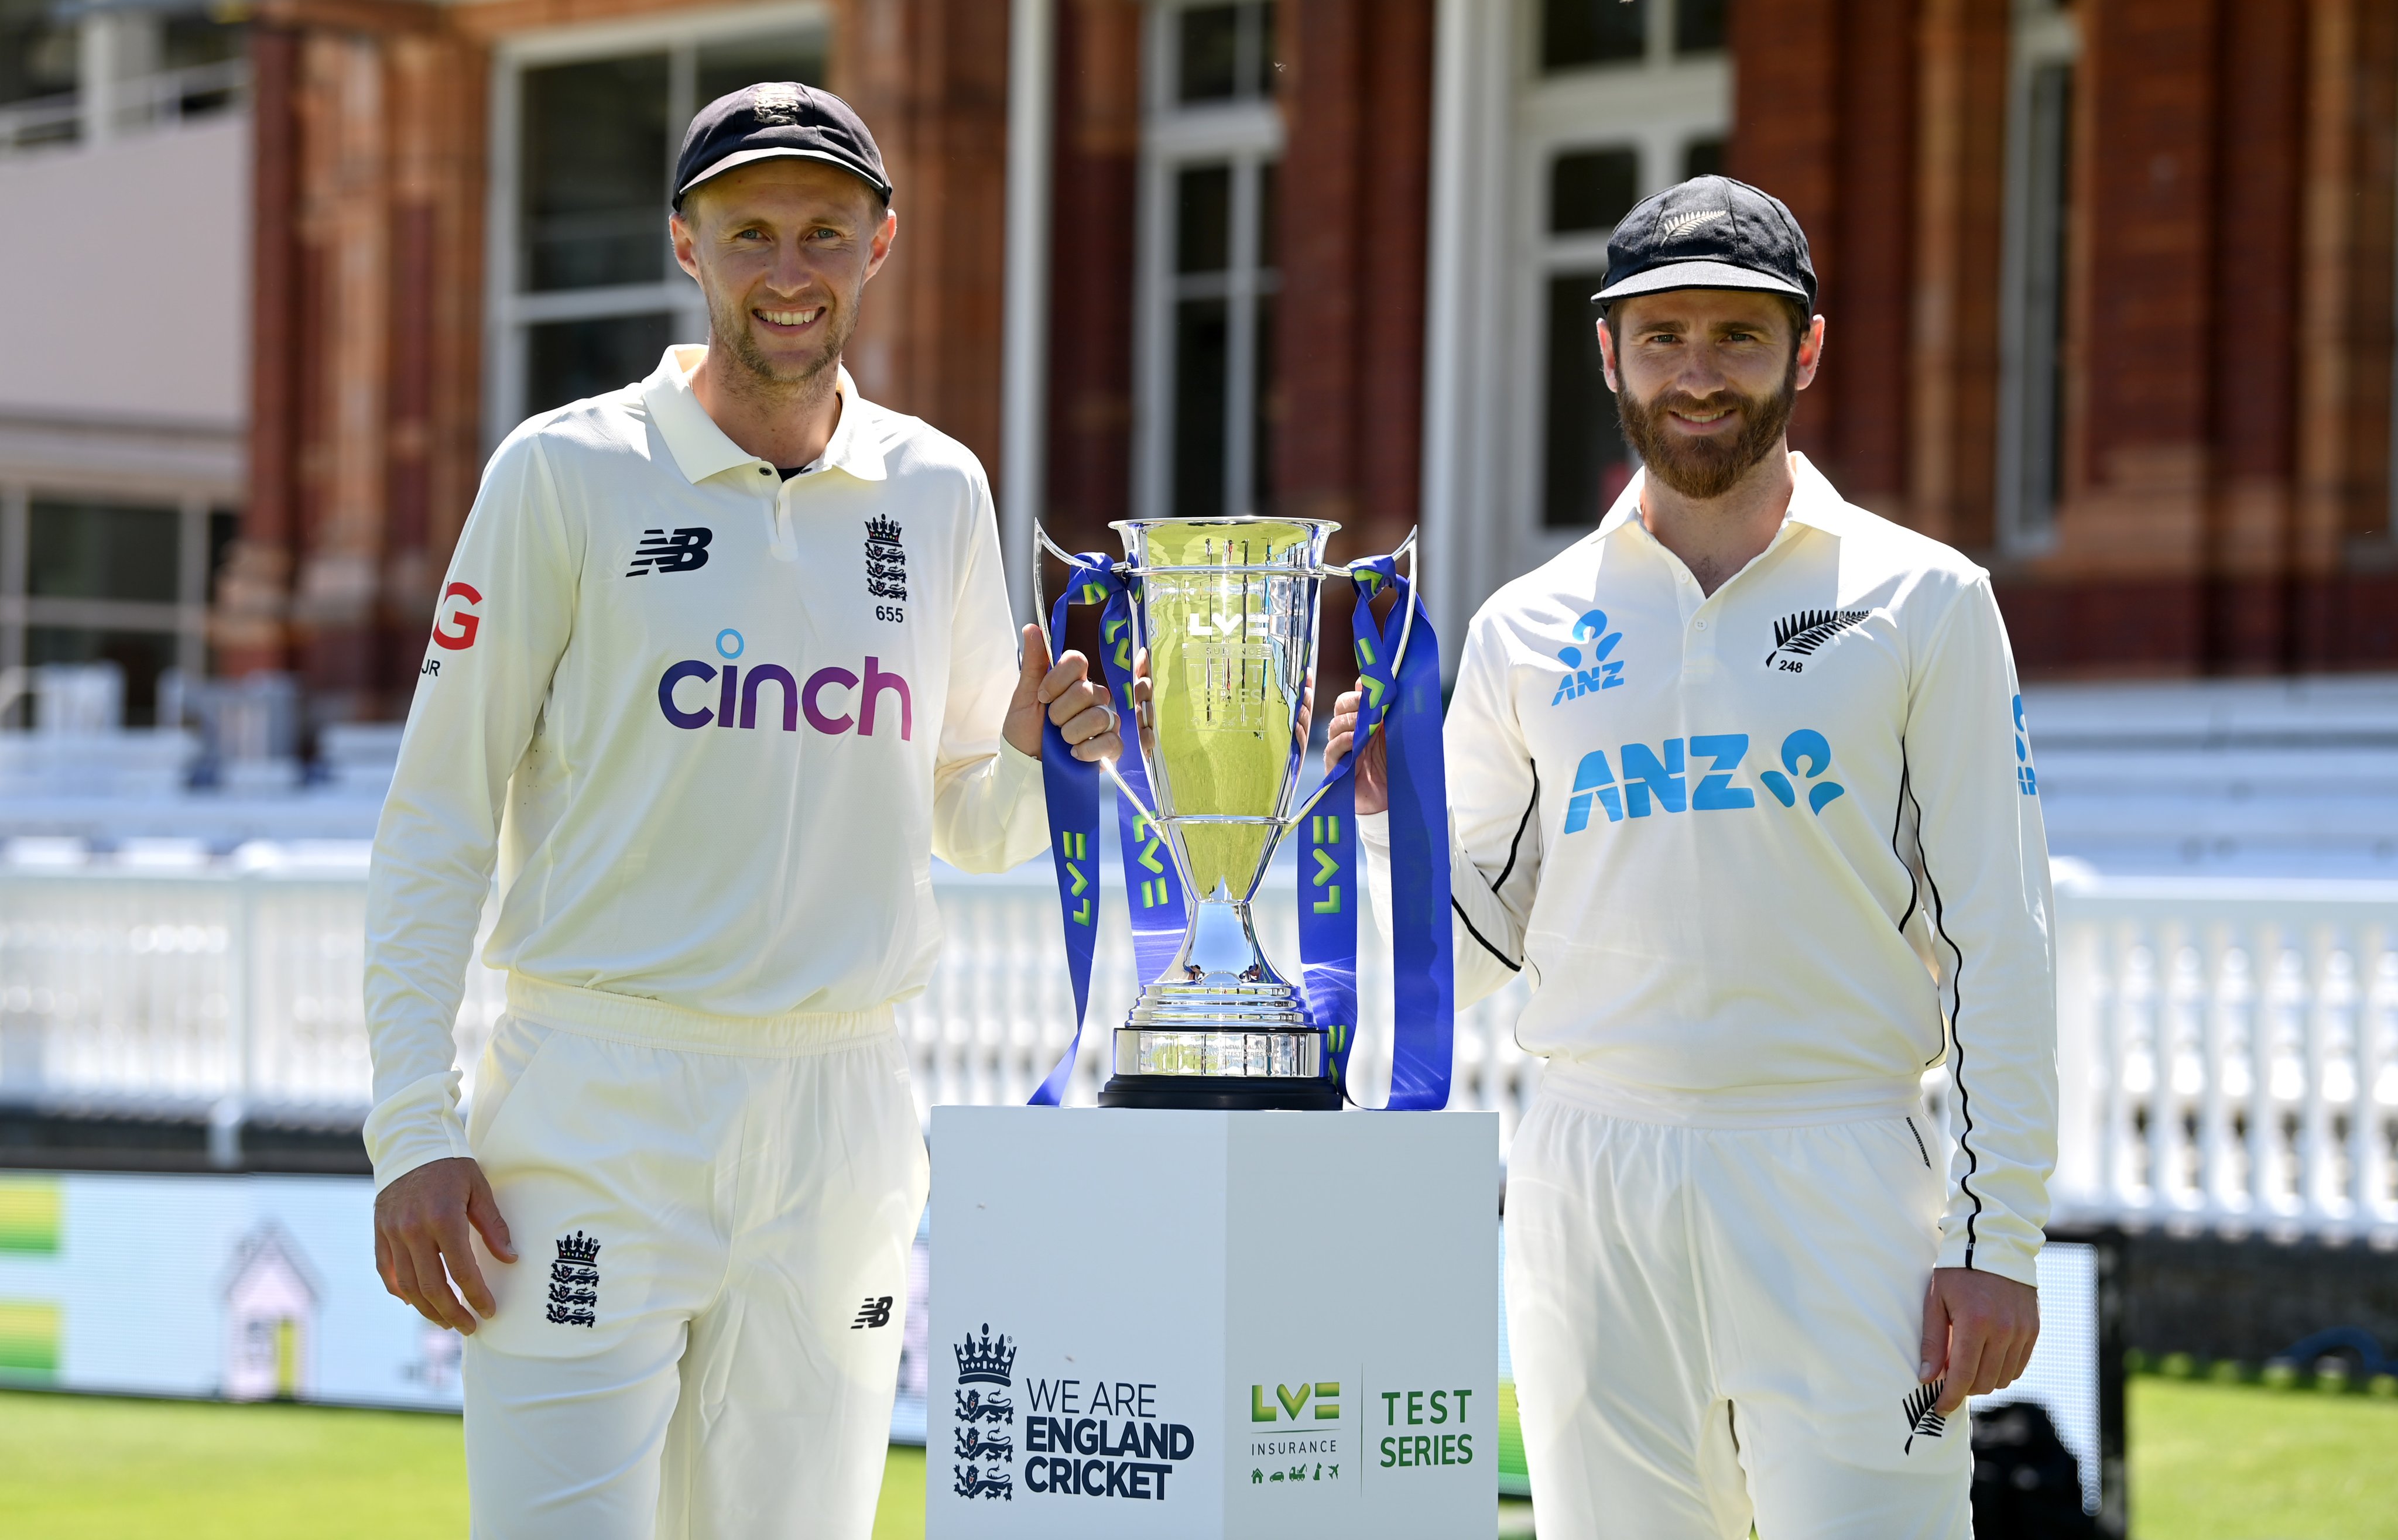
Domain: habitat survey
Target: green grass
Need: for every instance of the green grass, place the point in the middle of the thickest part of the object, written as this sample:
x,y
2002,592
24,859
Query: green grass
x,y
2209,1462
81,1468
76,1467
2233,1461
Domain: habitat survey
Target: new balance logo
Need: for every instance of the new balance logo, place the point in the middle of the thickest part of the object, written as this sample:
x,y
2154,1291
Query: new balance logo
x,y
1676,226
1921,1421
875,1312
1797,636
680,551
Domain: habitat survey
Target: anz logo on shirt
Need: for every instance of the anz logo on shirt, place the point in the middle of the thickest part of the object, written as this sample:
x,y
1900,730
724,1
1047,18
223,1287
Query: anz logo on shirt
x,y
1657,778
1601,673
2027,778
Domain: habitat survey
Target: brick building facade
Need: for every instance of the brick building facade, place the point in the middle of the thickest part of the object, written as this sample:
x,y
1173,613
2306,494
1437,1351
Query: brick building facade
x,y
2110,283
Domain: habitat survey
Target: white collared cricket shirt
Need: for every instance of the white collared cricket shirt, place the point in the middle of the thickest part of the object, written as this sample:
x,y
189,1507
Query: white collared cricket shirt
x,y
711,724
1768,854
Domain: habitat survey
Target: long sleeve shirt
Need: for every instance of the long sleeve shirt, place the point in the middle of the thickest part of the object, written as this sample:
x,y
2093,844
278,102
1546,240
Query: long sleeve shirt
x,y
711,725
1767,854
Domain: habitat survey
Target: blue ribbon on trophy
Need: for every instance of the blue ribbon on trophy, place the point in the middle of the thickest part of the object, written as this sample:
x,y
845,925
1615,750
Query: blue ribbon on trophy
x,y
1399,680
1070,787
1404,708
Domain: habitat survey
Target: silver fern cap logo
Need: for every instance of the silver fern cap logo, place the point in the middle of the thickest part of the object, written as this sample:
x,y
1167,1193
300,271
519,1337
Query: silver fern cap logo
x,y
1675,226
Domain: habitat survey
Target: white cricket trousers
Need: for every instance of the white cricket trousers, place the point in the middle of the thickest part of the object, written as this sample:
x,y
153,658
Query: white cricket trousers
x,y
1715,1326
700,1338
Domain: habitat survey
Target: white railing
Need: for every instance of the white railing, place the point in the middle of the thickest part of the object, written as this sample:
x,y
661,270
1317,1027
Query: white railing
x,y
2228,1049
147,101
230,990
2229,1054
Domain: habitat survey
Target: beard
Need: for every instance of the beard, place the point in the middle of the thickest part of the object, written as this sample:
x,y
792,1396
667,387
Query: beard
x,y
1704,469
730,327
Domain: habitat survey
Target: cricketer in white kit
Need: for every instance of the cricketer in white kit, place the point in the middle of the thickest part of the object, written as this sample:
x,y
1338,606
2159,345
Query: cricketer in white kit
x,y
1739,781
723,660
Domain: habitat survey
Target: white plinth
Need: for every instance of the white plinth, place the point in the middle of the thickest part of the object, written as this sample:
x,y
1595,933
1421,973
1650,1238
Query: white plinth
x,y
1253,1324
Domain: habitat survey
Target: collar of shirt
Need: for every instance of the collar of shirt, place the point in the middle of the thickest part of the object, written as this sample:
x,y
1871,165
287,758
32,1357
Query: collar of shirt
x,y
701,449
1813,501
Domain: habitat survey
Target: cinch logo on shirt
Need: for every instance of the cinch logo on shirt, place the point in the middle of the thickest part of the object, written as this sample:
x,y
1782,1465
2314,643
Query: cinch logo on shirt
x,y
825,692
1657,778
1601,673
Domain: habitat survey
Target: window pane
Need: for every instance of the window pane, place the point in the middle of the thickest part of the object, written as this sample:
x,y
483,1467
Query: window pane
x,y
1575,32
192,42
1201,335
192,39
2048,201
1210,54
567,360
144,655
38,50
595,173
1585,460
726,67
1269,217
1698,26
1203,219
78,550
224,527
1261,50
1592,188
1702,157
1264,410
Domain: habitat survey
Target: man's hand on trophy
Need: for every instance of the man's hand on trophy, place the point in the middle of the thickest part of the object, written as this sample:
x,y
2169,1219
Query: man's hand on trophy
x,y
1073,700
1373,791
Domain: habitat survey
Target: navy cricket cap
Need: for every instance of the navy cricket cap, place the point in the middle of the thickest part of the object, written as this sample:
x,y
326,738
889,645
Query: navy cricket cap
x,y
1709,232
778,119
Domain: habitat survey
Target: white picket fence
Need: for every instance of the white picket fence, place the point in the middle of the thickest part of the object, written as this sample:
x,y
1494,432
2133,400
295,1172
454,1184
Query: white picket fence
x,y
2229,1048
2229,1054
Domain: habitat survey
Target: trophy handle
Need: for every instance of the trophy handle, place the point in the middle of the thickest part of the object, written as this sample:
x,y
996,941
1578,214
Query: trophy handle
x,y
1406,631
1415,582
1041,542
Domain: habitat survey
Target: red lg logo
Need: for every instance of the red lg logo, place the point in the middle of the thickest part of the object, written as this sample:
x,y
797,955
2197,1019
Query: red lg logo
x,y
462,621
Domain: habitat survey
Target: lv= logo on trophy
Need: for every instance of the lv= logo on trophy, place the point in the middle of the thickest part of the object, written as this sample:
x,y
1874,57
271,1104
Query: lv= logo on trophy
x,y
1218,616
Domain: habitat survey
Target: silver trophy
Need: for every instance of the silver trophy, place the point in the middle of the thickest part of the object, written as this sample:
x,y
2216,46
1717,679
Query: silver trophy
x,y
1225,626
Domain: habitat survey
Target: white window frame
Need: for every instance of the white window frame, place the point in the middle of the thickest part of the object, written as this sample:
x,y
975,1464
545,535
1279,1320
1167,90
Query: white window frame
x,y
1659,104
1248,133
508,313
184,618
2044,33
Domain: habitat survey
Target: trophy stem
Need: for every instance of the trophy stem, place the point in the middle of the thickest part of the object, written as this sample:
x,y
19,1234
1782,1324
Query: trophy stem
x,y
1220,1028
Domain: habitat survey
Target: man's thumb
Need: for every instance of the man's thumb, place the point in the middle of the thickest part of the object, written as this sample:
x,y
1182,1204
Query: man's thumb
x,y
1934,1355
1036,656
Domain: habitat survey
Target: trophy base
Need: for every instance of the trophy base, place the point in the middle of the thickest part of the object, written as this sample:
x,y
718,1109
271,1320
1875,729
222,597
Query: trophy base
x,y
1222,1092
